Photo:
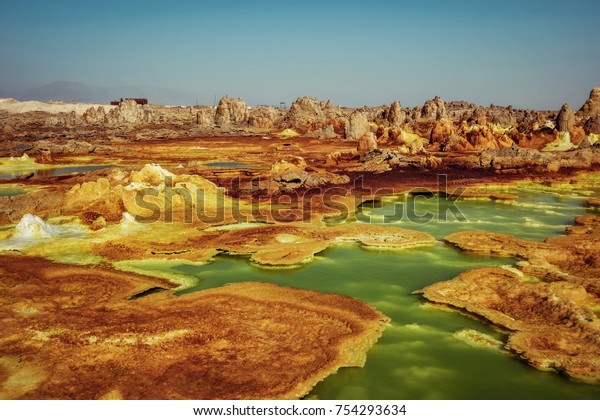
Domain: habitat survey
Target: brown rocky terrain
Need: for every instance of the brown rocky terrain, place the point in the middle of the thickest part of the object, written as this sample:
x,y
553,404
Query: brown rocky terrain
x,y
551,325
439,127
90,333
573,258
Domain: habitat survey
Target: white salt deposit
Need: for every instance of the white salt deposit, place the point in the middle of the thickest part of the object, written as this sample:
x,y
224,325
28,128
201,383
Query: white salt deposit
x,y
31,226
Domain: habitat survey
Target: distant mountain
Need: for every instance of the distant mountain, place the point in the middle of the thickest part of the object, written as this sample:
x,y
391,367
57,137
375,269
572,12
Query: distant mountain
x,y
80,92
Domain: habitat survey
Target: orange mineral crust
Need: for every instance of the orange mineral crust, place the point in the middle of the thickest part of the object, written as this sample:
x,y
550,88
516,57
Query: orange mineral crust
x,y
70,332
551,325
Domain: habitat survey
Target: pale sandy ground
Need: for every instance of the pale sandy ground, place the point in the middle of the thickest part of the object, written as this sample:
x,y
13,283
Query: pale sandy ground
x,y
16,107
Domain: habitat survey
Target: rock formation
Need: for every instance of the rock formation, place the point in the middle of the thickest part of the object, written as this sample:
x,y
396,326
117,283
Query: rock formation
x,y
205,116
566,119
323,133
433,109
367,143
592,125
262,117
307,114
94,115
441,134
396,115
358,126
524,159
109,197
476,134
128,112
231,111
591,107
454,127
293,172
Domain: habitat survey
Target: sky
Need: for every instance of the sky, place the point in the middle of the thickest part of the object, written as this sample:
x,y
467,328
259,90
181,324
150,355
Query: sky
x,y
534,54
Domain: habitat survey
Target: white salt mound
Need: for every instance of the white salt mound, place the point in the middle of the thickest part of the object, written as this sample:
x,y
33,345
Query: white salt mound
x,y
31,226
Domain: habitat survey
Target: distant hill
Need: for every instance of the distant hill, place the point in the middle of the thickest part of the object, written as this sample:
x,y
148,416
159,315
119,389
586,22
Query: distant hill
x,y
80,92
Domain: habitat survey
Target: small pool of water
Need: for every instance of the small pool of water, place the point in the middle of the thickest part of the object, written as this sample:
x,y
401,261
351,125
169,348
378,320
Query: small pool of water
x,y
231,165
50,172
534,215
9,191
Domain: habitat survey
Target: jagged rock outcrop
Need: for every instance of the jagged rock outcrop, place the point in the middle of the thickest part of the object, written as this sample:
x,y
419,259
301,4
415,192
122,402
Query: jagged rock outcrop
x,y
504,116
433,109
455,143
383,160
390,134
396,115
441,133
108,197
477,117
367,143
358,126
231,111
591,107
94,115
523,159
293,172
129,112
117,193
378,114
262,117
483,137
323,133
476,134
380,160
307,114
205,116
71,147
566,118
592,125
531,121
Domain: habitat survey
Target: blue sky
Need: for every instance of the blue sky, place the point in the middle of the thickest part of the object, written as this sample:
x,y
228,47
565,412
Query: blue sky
x,y
525,53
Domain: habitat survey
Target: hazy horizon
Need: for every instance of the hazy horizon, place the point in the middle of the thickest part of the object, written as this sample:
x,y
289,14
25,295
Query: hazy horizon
x,y
537,54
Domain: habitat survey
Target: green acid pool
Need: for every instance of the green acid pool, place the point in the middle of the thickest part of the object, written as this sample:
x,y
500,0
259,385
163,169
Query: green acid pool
x,y
11,191
421,354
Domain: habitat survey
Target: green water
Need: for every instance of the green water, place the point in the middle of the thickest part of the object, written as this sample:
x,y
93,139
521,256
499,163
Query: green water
x,y
231,165
534,215
418,356
9,192
48,172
